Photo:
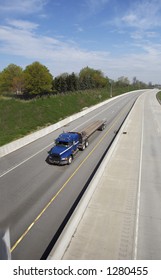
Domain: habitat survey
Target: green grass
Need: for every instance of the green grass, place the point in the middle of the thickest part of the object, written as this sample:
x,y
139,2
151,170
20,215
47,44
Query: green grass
x,y
19,118
159,96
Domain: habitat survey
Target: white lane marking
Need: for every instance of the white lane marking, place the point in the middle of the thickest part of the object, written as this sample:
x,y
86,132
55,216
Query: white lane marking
x,y
22,162
14,167
139,186
98,114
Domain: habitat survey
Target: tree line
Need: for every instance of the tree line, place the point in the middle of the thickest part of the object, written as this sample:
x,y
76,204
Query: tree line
x,y
36,79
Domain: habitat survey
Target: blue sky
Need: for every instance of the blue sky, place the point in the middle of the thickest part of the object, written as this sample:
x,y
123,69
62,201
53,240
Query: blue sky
x,y
121,38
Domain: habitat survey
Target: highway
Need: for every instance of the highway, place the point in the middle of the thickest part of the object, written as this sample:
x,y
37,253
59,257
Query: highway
x,y
36,197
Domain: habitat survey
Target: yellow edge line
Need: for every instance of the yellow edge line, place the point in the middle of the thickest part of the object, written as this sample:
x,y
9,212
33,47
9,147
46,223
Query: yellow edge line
x,y
64,185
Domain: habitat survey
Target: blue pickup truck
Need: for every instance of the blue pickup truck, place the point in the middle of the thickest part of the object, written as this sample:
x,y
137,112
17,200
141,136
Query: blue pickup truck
x,y
69,143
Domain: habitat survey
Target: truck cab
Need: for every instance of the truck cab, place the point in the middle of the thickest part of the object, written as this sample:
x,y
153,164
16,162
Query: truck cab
x,y
66,145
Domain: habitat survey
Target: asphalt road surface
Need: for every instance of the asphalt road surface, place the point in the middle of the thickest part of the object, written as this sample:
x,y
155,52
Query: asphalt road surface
x,y
36,197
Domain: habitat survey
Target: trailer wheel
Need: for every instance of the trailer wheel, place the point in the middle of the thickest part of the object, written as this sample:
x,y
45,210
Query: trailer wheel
x,y
70,160
102,127
87,143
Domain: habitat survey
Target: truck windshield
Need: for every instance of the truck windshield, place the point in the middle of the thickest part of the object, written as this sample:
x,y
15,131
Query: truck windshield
x,y
63,144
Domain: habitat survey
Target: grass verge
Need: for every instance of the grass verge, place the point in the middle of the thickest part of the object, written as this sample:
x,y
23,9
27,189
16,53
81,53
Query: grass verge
x,y
159,96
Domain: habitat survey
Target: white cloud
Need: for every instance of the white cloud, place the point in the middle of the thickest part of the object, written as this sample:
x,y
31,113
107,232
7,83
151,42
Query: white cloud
x,y
78,28
20,39
22,24
143,14
21,6
26,43
146,66
95,6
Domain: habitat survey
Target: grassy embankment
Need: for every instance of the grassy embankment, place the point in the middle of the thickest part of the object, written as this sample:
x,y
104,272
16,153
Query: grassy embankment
x,y
19,118
159,96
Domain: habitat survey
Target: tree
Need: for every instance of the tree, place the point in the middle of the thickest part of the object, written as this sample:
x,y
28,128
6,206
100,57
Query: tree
x,y
60,83
100,80
66,82
38,79
72,82
123,81
91,78
12,79
134,81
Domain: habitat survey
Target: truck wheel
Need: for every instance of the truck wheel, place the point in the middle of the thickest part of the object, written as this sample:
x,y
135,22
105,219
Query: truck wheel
x,y
70,160
86,144
83,147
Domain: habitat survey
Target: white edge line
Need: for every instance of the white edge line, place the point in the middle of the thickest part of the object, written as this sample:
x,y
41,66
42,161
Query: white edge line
x,y
139,187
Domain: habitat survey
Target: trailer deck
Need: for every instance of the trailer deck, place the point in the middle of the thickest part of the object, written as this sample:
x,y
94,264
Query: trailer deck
x,y
89,130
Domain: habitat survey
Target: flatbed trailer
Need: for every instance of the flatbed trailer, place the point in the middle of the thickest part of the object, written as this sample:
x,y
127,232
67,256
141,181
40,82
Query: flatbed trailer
x,y
88,131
